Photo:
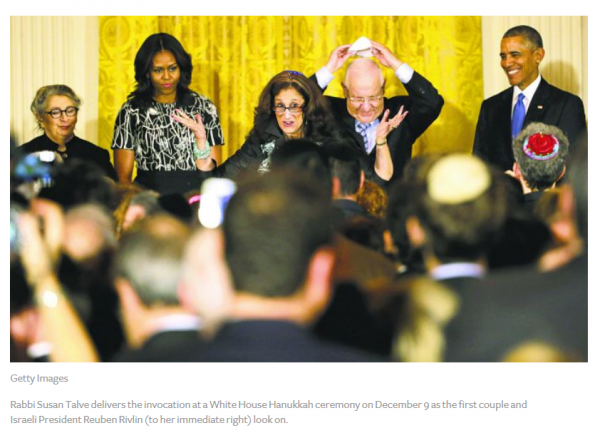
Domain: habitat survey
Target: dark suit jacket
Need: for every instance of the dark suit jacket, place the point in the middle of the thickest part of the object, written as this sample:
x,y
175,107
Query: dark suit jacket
x,y
512,307
76,148
275,341
167,346
423,104
550,105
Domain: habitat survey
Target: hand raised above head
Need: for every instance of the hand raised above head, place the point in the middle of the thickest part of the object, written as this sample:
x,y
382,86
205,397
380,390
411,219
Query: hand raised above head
x,y
385,56
337,58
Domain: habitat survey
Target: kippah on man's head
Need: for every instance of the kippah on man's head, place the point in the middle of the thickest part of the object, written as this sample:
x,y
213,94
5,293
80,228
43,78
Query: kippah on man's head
x,y
541,152
462,206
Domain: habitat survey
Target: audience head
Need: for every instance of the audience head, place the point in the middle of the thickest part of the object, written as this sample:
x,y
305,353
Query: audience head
x,y
373,199
541,153
303,156
402,204
368,231
296,104
88,234
149,259
348,178
55,109
80,182
162,68
274,225
364,88
578,180
460,208
521,51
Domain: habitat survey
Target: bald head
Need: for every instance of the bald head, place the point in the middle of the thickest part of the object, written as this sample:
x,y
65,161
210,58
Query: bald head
x,y
361,70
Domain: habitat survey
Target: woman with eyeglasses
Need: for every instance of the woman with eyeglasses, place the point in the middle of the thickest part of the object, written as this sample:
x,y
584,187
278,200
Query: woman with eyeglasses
x,y
290,107
55,108
152,128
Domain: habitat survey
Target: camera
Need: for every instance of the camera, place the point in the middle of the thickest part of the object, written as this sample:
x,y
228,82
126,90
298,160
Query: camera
x,y
214,196
34,172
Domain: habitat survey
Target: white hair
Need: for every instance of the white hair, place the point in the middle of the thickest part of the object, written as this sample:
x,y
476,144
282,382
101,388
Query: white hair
x,y
363,66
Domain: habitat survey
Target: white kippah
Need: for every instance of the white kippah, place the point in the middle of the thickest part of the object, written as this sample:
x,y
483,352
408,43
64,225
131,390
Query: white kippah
x,y
458,178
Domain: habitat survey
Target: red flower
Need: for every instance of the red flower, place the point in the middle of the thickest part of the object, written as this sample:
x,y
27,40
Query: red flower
x,y
541,144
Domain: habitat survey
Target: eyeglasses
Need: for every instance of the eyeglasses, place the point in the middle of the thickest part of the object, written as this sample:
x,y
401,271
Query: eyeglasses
x,y
371,100
56,113
294,109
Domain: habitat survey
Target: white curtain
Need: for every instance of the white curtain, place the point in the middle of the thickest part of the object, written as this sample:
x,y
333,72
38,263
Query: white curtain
x,y
53,50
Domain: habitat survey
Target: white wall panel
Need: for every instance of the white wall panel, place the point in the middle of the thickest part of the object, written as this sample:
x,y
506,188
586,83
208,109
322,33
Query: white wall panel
x,y
53,50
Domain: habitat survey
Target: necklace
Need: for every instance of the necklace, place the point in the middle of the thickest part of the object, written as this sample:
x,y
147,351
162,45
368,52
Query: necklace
x,y
64,154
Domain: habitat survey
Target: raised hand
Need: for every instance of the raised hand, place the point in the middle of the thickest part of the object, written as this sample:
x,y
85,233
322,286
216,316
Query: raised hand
x,y
337,58
386,125
385,56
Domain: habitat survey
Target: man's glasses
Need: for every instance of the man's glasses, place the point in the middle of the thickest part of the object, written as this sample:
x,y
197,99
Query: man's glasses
x,y
371,100
56,113
294,109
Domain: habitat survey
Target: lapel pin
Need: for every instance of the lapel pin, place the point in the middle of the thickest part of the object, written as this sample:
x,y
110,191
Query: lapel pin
x,y
540,106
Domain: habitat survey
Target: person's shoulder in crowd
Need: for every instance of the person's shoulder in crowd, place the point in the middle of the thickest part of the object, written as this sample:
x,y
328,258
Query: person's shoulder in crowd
x,y
276,341
168,346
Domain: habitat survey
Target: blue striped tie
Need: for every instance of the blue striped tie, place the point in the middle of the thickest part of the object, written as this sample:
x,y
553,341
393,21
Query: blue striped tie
x,y
518,116
361,128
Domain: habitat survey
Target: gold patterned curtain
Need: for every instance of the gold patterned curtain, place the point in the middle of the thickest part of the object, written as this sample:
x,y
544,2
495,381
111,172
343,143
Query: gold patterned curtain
x,y
234,57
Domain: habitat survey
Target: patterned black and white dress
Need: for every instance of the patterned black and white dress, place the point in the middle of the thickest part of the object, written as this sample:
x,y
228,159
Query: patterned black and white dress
x,y
163,147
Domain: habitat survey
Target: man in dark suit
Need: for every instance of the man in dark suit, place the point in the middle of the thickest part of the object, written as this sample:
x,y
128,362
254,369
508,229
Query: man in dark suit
x,y
530,99
277,244
456,187
371,118
148,278
347,179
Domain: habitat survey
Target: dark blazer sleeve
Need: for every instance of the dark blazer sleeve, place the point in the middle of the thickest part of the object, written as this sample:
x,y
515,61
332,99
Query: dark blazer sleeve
x,y
313,78
424,107
572,121
480,147
248,156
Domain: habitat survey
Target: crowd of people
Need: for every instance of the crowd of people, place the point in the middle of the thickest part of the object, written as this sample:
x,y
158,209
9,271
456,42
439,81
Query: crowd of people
x,y
337,244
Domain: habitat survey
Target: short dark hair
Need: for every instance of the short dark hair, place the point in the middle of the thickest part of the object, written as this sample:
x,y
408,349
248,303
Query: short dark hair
x,y
531,35
304,156
158,42
345,164
318,121
273,225
541,174
150,257
78,182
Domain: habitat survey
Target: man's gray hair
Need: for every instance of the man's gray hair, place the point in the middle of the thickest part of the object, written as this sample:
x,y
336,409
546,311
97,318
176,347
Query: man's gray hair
x,y
541,174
